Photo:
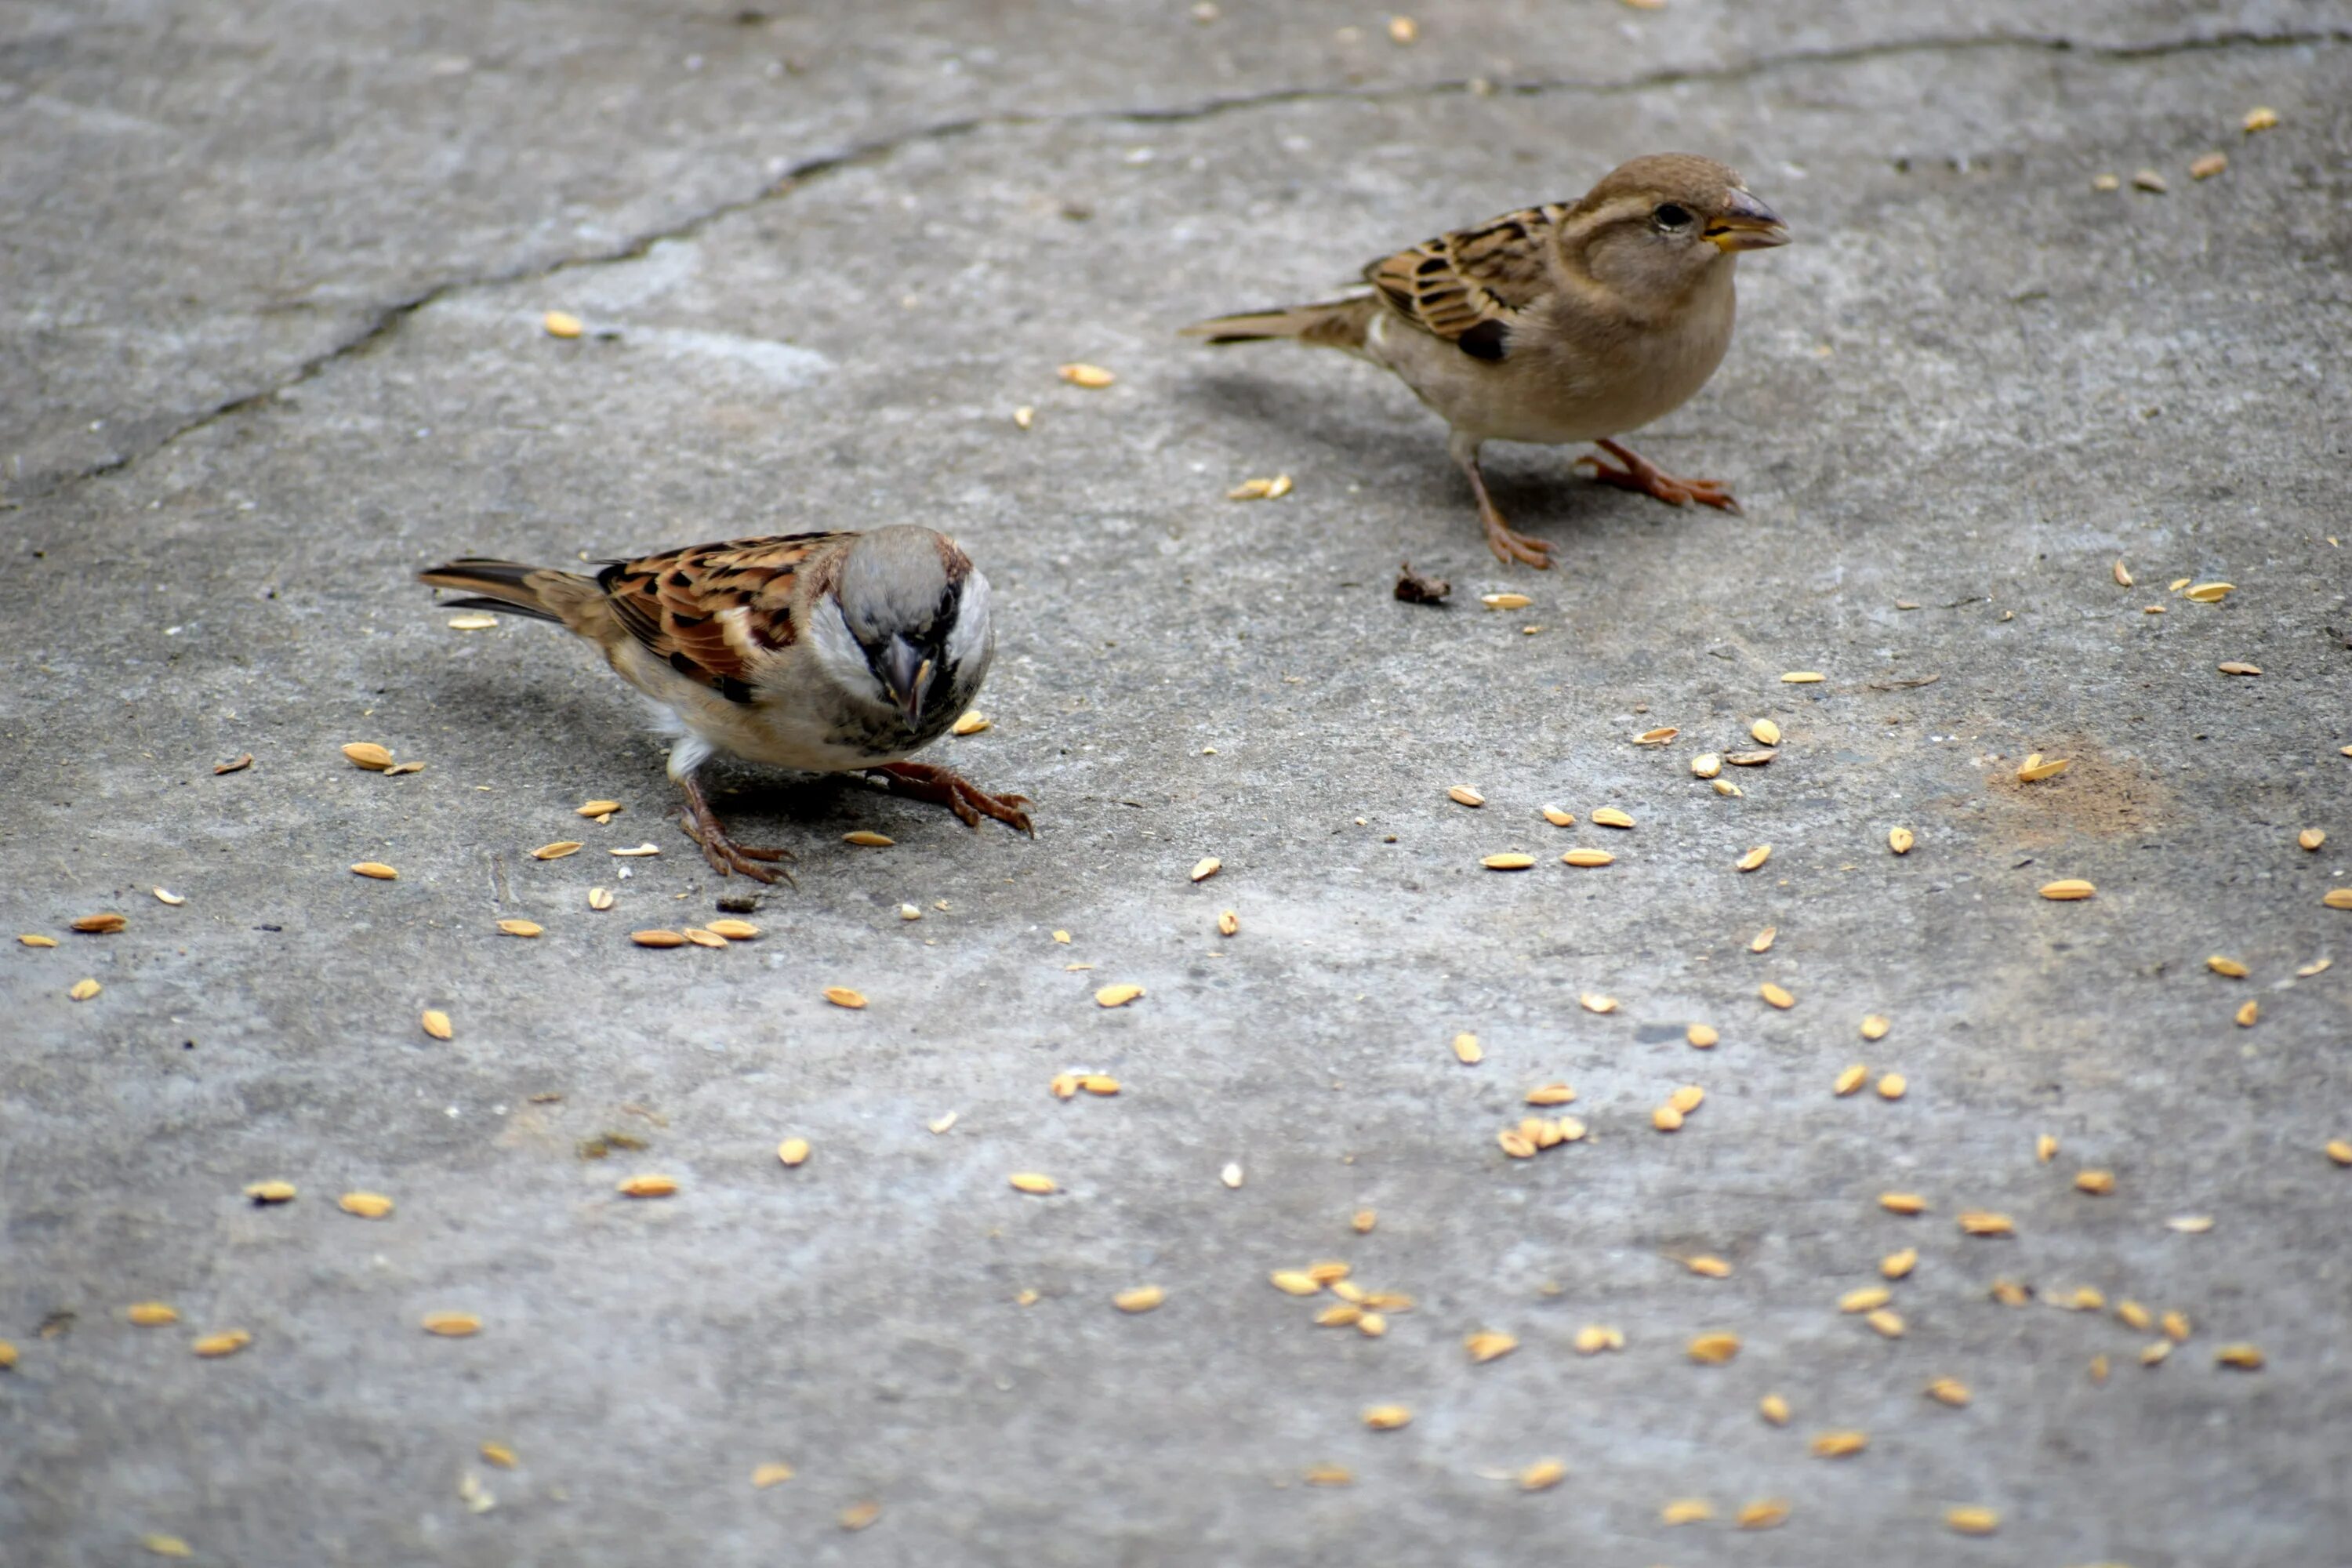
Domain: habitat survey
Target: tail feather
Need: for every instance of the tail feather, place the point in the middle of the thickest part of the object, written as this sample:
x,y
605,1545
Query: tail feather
x,y
1329,323
512,588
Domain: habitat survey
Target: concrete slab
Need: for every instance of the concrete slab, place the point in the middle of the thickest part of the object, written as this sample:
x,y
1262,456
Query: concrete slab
x,y
1974,386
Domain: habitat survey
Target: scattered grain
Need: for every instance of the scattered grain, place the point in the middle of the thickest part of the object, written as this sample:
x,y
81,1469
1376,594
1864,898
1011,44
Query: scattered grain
x,y
1505,601
2211,592
436,1024
2311,838
1033,1183
150,1314
1588,859
376,869
1972,1520
1091,376
1228,923
2209,166
1867,1299
1141,1298
1593,1002
794,1150
451,1325
1900,841
2034,769
1707,764
1803,678
2150,181
2067,888
1874,1025
1594,1338
34,938
858,1515
1948,1391
1767,1513
1686,1511
1702,1036
1610,817
2249,1014
1487,1345
366,1205
369,755
2242,1357
1558,817
82,990
1978,1222
1331,1476
1774,1409
2175,1325
657,938
1755,857
1463,795
1776,996
518,928
1542,1475
1387,1417
647,1187
2098,1184
1889,1324
600,899
1902,1202
1512,861
1892,1085
166,1545
228,1341
1713,1349
843,997
1840,1444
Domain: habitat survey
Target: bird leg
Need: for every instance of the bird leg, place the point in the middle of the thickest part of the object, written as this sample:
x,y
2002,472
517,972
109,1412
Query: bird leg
x,y
945,786
701,825
1641,474
1507,545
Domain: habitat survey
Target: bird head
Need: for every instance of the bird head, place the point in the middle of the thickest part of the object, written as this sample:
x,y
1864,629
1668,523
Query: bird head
x,y
918,612
1658,226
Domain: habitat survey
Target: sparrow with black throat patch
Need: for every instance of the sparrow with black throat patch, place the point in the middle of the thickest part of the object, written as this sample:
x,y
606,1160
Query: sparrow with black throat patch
x,y
1574,321
824,652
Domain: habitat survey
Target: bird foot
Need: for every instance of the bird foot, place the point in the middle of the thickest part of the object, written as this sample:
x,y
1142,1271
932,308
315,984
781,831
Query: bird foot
x,y
1646,477
700,823
1509,544
945,786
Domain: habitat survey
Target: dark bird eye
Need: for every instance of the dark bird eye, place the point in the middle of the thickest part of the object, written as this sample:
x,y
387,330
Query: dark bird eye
x,y
1672,217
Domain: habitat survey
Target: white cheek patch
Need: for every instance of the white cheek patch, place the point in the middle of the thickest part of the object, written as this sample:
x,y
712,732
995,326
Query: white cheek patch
x,y
973,638
843,658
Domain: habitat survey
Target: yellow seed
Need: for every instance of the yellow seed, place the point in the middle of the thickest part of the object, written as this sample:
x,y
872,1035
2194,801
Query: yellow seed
x,y
1709,1266
600,897
228,1341
1033,1183
1541,1476
1550,1094
376,869
1091,376
1330,1271
658,939
1701,1036
1948,1391
560,324
858,1515
733,931
150,1314
1141,1298
2311,838
1587,858
1839,1445
1762,941
1887,1322
1516,1144
1969,1521
166,1545
518,928
1801,677
1768,1513
1891,1085
452,1325
1204,870
2211,592
1292,1281
472,623
1773,1408
2122,577
2339,1151
1657,737
1898,1264
1487,1345
1468,1051
1362,1221
1024,417
2132,1315
2247,1015
33,938
1776,996
1558,817
1404,30
597,808
1874,1025
1686,1511
7,1355
2067,888
1766,732
1900,841
703,938
2155,1352
1387,1417
367,1205
1593,1002
1346,1315
1505,601
103,925
843,997
2085,1300
557,851
82,990
794,1150
1513,861
1331,1476
1594,1338
2179,583
1610,817
369,755
1687,1099
1713,1349
2098,1184
1902,1202
1868,1298
2244,1357
436,1024
1755,857
1463,795
1228,923
2337,897
2175,1326
647,1187
2229,967
972,722
2045,1148
1976,1221
498,1454
2035,770
2259,120
2236,666
1666,1119
2190,1224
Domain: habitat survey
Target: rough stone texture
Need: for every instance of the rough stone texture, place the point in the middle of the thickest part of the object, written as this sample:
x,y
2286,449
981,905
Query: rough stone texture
x,y
294,259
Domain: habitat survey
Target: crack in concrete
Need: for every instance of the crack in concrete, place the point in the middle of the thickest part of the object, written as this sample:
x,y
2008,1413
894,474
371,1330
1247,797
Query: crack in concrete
x,y
390,319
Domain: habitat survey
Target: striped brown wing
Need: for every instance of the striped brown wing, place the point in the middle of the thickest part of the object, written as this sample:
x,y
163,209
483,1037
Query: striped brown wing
x,y
1469,287
716,612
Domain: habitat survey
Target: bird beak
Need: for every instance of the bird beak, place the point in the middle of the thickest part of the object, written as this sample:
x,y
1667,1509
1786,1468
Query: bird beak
x,y
1746,223
908,675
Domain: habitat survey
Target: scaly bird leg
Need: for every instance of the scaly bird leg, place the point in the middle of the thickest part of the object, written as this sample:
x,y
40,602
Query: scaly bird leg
x,y
1641,475
1507,545
701,825
944,787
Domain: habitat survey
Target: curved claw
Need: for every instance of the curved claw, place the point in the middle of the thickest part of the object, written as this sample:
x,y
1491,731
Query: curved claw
x,y
1645,478
726,857
944,787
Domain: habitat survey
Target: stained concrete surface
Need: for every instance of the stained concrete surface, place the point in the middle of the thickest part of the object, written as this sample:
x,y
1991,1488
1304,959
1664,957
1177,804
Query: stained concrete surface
x,y
291,261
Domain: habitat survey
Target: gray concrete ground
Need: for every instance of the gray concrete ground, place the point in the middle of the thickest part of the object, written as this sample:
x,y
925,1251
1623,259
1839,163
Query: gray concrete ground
x,y
269,341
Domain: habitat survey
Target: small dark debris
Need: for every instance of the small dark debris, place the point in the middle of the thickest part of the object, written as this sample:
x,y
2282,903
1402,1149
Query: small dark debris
x,y
1904,685
604,1142
1077,211
269,928
1412,588
547,1097
236,764
60,1323
741,903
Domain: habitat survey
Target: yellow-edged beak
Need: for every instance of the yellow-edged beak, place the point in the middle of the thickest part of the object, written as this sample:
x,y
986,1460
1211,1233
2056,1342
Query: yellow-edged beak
x,y
1745,224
